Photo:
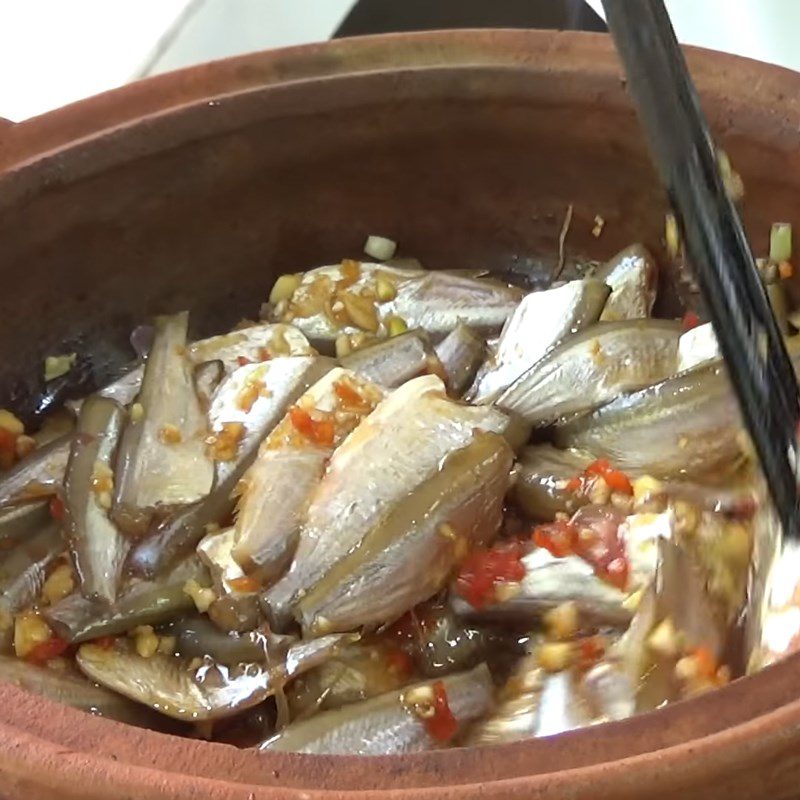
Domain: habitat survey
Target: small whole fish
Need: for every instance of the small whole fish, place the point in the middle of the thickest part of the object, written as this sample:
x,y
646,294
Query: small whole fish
x,y
212,691
236,435
162,462
632,276
41,474
395,449
389,724
76,619
96,546
353,297
456,509
392,362
538,324
604,360
274,493
687,425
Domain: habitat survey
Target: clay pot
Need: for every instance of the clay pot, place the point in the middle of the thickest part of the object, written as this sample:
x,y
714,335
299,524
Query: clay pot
x,y
195,189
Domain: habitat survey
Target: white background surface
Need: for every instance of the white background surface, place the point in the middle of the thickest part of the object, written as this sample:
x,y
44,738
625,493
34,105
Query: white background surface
x,y
54,52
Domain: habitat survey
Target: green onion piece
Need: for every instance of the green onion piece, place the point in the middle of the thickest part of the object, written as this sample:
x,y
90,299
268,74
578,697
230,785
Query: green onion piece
x,y
780,242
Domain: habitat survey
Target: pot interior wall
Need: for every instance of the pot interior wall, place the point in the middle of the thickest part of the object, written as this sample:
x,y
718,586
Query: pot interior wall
x,y
203,208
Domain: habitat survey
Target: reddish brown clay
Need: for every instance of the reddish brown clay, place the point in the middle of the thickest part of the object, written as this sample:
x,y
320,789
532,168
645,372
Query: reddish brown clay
x,y
195,189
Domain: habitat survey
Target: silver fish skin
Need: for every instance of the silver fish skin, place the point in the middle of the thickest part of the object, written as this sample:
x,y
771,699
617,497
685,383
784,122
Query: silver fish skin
x,y
549,582
251,344
538,324
394,450
460,354
434,301
632,276
604,360
210,692
162,461
20,522
387,724
287,378
455,510
97,547
274,492
40,474
392,362
687,425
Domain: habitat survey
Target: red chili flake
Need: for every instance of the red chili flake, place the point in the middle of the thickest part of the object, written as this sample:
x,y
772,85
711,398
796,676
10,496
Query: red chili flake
x,y
442,726
105,642
242,361
399,662
8,449
47,650
690,320
57,508
559,537
348,395
484,569
616,480
574,484
319,431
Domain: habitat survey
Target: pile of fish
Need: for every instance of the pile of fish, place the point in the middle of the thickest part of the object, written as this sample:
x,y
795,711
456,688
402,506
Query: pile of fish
x,y
405,510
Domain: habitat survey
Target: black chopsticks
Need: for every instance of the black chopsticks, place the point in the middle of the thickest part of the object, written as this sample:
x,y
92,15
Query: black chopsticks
x,y
715,242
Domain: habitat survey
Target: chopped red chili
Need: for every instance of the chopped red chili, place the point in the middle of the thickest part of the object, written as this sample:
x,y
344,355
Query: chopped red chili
x,y
319,431
442,726
690,320
105,642
349,396
47,650
242,361
484,569
616,480
591,650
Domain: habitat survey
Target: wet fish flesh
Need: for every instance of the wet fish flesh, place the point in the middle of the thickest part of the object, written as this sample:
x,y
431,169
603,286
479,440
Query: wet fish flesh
x,y
604,360
539,323
697,346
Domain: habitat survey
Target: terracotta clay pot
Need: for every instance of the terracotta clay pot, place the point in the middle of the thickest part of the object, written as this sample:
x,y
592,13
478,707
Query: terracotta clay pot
x,y
195,189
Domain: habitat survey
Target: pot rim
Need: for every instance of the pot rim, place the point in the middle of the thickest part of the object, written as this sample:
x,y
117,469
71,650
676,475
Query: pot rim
x,y
47,148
